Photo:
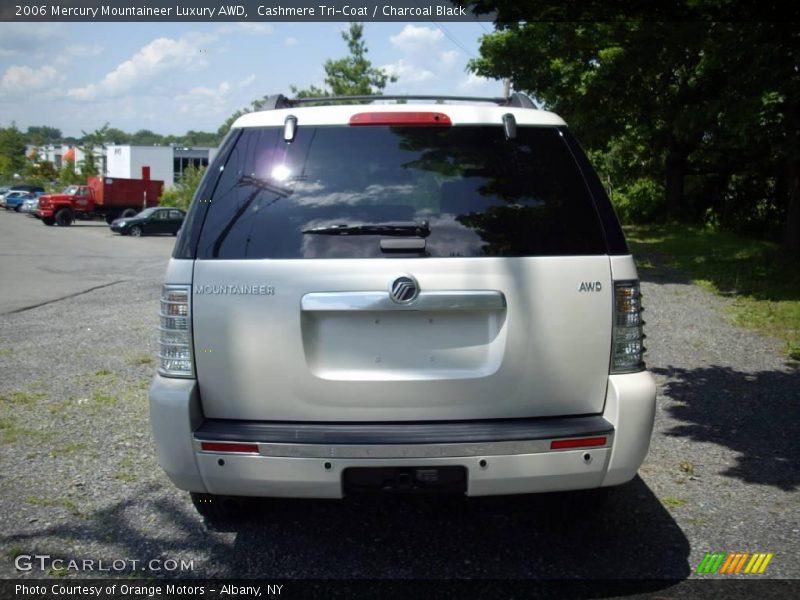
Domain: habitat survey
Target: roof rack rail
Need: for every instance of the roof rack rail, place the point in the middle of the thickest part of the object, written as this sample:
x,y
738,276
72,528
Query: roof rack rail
x,y
274,102
521,100
277,101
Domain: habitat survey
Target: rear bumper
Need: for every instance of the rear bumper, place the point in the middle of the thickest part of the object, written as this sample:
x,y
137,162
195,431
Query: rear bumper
x,y
497,459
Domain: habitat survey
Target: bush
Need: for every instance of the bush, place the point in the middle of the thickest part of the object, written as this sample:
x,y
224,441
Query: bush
x,y
181,194
752,206
640,201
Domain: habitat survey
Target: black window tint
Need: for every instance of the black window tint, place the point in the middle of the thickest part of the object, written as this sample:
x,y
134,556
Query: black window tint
x,y
480,194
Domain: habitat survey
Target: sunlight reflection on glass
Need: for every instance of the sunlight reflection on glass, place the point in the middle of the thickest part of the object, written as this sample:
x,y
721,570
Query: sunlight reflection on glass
x,y
280,173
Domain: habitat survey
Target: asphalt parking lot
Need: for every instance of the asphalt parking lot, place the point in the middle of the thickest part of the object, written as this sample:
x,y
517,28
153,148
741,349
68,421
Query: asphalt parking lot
x,y
78,476
55,262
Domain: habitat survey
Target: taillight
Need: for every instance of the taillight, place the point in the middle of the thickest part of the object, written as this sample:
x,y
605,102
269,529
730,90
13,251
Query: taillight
x,y
627,348
175,332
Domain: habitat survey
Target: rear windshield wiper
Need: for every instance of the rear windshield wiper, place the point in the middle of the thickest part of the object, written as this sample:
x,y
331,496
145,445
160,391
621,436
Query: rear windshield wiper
x,y
420,229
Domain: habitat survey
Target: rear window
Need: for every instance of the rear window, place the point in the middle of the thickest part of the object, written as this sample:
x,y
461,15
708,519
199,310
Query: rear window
x,y
471,192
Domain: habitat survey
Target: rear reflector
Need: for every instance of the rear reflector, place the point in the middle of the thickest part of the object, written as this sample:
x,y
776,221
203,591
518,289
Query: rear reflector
x,y
579,443
229,447
414,119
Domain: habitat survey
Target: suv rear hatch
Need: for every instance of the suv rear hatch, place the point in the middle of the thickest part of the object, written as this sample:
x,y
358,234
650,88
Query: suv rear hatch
x,y
304,241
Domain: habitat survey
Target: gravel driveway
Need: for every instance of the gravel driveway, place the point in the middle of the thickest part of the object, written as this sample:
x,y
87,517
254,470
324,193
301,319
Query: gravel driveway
x,y
78,477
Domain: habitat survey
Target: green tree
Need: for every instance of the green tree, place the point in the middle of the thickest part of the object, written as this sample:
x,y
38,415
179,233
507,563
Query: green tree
x,y
41,135
12,152
38,171
225,127
145,137
116,136
352,75
198,138
47,172
92,141
703,112
181,194
67,174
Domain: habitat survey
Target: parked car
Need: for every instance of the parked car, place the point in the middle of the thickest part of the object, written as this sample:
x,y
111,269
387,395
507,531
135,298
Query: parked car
x,y
30,205
13,200
33,189
150,221
421,297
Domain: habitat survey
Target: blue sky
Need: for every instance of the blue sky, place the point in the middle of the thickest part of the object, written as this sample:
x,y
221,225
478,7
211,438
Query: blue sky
x,y
172,77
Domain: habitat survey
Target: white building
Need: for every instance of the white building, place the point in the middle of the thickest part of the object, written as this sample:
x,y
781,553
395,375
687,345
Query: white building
x,y
127,162
167,163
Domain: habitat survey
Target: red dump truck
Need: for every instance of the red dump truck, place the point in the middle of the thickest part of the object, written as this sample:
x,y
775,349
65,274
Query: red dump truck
x,y
109,197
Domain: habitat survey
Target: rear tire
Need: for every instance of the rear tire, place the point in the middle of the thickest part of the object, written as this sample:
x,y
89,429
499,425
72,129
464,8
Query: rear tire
x,y
135,231
128,213
218,508
64,217
17,208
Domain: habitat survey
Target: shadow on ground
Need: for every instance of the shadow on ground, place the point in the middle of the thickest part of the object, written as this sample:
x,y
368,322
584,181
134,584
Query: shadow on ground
x,y
516,537
757,415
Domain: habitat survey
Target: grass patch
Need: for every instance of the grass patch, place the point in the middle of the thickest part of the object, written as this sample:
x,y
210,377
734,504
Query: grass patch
x,y
10,432
124,474
70,506
672,502
762,281
21,398
101,399
102,372
59,408
14,551
68,449
141,359
40,501
65,503
6,351
57,571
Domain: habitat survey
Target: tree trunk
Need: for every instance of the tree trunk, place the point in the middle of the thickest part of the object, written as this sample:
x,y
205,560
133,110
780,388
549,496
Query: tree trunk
x,y
675,174
791,232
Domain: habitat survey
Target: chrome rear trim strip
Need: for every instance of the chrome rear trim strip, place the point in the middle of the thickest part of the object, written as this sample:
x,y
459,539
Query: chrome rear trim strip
x,y
437,300
408,451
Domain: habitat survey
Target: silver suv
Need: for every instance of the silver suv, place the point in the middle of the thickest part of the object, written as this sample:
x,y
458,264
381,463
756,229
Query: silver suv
x,y
430,295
